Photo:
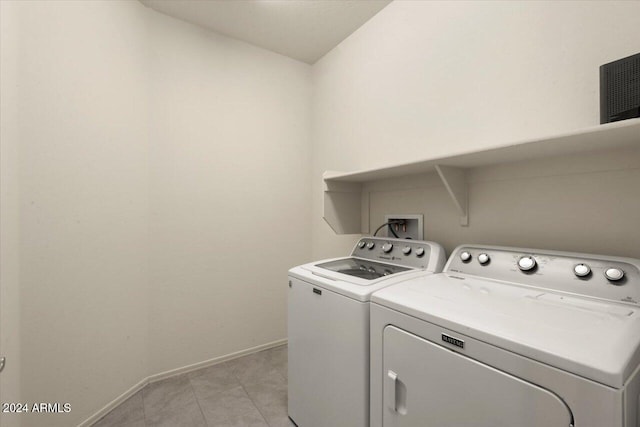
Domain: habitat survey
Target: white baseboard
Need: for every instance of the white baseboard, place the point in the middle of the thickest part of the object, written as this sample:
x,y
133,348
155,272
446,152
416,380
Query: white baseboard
x,y
214,361
118,400
173,372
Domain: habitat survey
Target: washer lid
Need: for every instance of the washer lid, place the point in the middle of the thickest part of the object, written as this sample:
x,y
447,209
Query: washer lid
x,y
593,339
350,286
362,268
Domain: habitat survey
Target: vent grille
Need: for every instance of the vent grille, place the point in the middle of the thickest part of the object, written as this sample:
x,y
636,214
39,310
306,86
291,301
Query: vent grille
x,y
621,87
624,85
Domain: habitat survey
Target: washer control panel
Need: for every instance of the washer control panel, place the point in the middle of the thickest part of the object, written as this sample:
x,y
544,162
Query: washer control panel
x,y
410,253
610,278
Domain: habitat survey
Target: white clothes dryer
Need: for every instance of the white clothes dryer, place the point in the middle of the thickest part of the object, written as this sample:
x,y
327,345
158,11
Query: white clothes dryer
x,y
328,326
509,337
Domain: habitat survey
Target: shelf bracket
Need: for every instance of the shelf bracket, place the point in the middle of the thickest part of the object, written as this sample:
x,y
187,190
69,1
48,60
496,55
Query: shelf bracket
x,y
455,182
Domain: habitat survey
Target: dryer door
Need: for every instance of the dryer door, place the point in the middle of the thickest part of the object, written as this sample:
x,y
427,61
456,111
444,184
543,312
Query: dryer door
x,y
428,385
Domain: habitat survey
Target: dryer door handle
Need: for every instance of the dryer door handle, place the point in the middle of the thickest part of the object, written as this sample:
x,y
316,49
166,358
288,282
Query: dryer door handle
x,y
392,386
396,393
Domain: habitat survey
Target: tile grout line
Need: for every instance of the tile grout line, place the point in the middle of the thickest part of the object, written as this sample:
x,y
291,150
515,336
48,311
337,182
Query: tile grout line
x,y
250,398
255,405
195,396
144,413
277,372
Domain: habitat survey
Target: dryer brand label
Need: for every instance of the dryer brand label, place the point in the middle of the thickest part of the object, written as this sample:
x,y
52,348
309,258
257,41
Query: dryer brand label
x,y
451,340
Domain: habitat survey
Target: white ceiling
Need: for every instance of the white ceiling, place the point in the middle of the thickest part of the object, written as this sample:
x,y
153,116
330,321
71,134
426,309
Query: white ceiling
x,y
301,29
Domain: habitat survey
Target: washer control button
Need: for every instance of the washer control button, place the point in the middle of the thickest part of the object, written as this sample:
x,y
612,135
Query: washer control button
x,y
406,250
484,258
371,245
613,274
362,244
581,270
526,263
420,252
465,256
387,247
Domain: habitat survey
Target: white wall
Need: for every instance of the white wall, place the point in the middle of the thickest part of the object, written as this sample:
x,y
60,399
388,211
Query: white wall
x,y
80,111
155,186
428,79
9,213
230,193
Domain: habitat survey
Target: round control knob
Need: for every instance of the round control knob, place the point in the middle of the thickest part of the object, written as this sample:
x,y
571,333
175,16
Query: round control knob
x,y
371,245
526,263
613,274
581,270
406,250
362,244
420,252
387,247
484,259
465,256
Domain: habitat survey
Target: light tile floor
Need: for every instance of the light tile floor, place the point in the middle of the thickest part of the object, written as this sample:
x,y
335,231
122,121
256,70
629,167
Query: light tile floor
x,y
250,391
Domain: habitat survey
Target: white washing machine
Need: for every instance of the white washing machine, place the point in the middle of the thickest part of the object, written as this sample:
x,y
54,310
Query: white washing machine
x,y
509,337
329,326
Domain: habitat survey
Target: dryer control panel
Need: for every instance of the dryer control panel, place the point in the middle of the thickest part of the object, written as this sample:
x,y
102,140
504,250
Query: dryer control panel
x,y
602,277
